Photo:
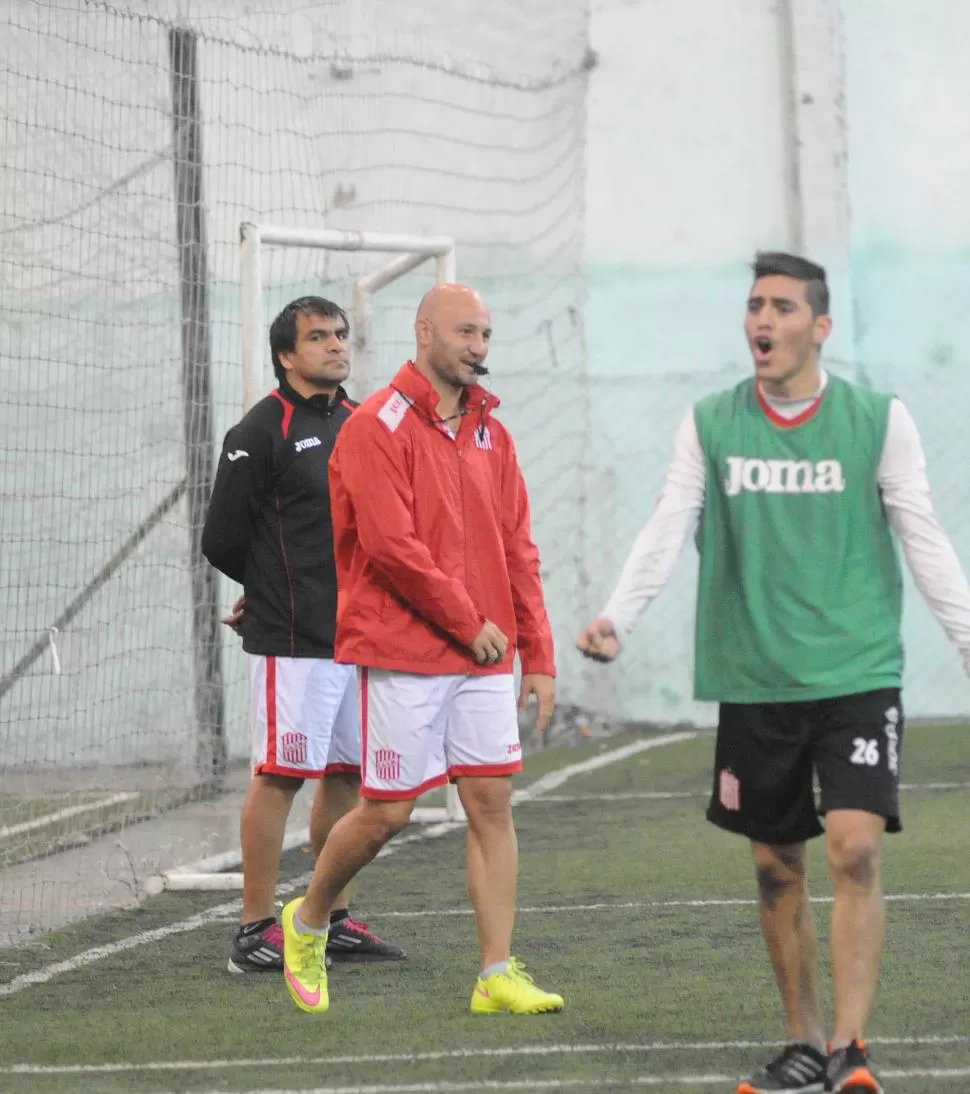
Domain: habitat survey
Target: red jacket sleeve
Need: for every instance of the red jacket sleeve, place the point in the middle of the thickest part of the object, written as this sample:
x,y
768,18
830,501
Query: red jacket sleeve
x,y
536,649
370,467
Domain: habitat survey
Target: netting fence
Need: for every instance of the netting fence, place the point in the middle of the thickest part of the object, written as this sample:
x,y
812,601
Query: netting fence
x,y
137,138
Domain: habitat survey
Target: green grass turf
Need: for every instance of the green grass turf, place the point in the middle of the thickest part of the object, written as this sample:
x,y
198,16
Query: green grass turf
x,y
631,975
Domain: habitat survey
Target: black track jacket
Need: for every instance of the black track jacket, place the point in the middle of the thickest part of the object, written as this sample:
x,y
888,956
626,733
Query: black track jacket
x,y
268,523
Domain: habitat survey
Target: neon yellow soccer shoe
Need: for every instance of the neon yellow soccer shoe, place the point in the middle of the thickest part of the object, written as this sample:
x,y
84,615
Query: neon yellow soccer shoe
x,y
304,964
512,992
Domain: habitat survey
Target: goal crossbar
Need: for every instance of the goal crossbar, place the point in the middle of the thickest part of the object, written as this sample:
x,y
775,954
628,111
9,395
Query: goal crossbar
x,y
412,251
335,240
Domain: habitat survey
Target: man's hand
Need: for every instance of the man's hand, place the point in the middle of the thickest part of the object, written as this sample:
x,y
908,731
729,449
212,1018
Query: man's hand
x,y
234,618
599,642
490,645
544,689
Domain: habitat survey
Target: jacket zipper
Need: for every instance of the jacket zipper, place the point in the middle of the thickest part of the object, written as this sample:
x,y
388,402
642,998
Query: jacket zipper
x,y
461,494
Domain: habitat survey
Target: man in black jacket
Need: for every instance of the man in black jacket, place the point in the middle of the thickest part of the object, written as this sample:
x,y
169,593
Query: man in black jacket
x,y
268,528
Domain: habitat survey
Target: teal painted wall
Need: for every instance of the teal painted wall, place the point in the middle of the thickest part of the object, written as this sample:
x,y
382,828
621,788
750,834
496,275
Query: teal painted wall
x,y
688,177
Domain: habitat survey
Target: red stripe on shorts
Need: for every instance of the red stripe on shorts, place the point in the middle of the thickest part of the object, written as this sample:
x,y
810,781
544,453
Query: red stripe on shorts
x,y
483,771
363,725
271,710
375,794
342,769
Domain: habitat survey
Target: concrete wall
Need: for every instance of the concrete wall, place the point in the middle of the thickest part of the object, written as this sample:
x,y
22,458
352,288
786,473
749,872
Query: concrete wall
x,y
721,126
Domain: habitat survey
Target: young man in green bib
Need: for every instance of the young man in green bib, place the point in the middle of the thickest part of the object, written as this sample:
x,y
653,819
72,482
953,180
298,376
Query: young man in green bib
x,y
794,482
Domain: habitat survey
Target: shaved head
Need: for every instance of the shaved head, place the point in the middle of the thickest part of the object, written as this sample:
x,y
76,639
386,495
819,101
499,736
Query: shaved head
x,y
444,298
453,329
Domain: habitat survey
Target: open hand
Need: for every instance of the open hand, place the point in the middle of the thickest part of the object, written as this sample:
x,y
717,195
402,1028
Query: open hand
x,y
544,689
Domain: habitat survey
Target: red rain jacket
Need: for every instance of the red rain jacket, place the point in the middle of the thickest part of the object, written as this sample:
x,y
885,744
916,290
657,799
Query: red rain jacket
x,y
432,537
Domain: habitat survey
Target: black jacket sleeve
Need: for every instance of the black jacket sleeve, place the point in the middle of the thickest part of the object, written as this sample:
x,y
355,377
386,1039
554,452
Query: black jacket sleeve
x,y
241,483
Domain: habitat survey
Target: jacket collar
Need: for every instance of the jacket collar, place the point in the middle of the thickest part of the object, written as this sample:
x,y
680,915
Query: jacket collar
x,y
321,404
417,389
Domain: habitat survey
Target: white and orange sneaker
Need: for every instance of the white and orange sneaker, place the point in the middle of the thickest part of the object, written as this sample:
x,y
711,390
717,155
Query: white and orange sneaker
x,y
849,1071
797,1069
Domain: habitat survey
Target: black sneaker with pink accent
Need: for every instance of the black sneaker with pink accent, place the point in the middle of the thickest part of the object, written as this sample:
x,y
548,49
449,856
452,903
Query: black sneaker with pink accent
x,y
257,947
351,940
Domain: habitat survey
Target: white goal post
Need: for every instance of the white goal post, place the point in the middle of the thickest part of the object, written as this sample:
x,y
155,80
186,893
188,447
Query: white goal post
x,y
220,872
412,251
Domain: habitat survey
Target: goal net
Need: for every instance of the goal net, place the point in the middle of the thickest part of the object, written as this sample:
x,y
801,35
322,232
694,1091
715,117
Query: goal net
x,y
141,136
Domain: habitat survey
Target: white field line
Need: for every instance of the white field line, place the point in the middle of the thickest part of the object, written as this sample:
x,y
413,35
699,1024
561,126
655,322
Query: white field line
x,y
221,911
216,914
206,874
934,786
601,1083
187,877
634,905
555,779
931,1040
215,865
48,819
209,874
673,795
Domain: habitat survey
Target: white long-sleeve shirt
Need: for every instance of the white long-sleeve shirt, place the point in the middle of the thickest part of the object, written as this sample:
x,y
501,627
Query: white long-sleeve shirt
x,y
905,494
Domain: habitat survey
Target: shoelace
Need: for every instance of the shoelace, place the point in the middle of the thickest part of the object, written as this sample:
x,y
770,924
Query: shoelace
x,y
517,971
854,1054
274,935
320,950
782,1063
301,963
357,927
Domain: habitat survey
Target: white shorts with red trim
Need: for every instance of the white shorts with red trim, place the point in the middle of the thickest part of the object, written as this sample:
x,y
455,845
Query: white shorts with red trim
x,y
304,716
420,731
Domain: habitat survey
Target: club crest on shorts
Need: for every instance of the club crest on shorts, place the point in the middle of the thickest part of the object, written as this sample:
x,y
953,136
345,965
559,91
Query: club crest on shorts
x,y
293,748
387,765
729,791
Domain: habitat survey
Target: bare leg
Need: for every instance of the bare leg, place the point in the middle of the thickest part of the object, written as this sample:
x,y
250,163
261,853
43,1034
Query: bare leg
x,y
788,927
854,844
335,796
493,862
261,829
353,842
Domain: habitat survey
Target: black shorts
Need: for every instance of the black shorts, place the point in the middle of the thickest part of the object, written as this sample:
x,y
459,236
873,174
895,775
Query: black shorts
x,y
767,753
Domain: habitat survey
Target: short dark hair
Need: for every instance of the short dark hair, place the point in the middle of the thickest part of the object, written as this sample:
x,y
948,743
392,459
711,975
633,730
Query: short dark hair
x,y
780,264
282,332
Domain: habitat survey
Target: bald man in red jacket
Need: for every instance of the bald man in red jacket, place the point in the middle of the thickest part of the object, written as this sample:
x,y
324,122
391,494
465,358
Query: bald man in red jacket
x,y
439,587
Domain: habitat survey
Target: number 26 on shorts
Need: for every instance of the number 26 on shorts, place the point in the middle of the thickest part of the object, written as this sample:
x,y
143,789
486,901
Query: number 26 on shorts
x,y
865,752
